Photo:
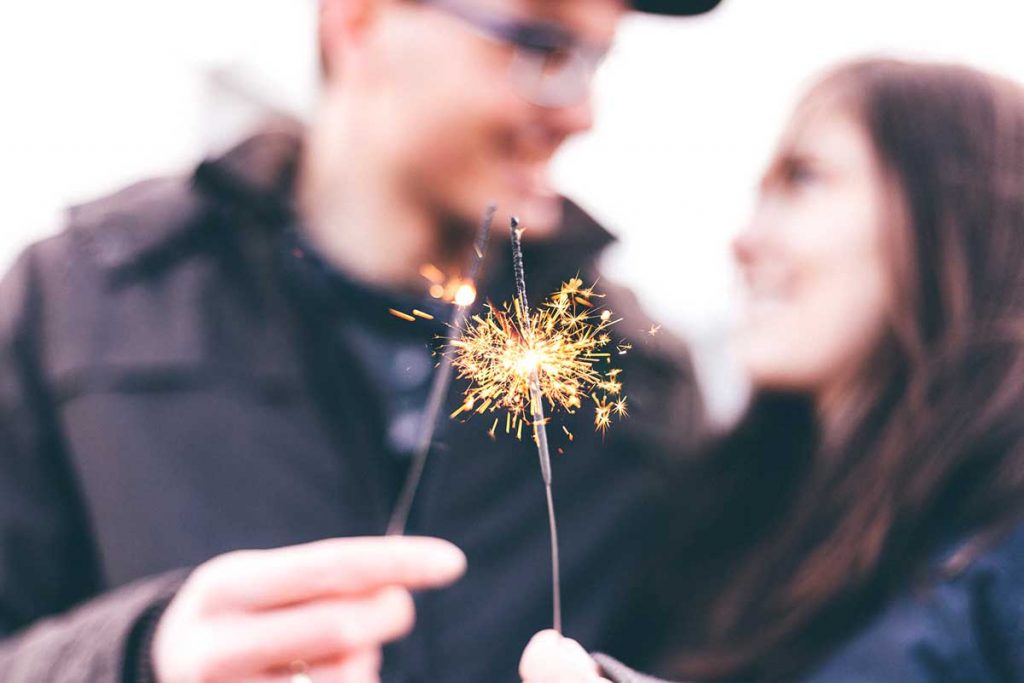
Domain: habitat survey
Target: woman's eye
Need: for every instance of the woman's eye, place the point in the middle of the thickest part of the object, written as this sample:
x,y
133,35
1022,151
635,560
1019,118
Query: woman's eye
x,y
801,174
792,175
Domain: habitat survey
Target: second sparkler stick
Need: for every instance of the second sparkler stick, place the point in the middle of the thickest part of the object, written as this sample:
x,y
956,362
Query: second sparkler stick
x,y
539,420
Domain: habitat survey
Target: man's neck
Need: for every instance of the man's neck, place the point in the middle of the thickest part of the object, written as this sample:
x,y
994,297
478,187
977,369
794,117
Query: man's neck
x,y
359,219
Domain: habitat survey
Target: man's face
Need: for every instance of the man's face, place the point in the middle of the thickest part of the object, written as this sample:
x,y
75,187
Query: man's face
x,y
462,116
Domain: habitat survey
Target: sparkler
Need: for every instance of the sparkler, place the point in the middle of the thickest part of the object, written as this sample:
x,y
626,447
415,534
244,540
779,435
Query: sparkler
x,y
516,359
463,299
540,431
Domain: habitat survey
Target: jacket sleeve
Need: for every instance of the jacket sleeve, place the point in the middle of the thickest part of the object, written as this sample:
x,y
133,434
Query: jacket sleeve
x,y
47,560
103,640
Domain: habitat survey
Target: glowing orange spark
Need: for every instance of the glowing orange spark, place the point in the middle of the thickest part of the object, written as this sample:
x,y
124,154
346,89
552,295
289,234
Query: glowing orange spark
x,y
451,288
620,408
465,295
602,414
432,273
399,314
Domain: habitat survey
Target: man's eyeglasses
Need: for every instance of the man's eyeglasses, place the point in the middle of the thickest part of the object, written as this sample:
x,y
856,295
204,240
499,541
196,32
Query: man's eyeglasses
x,y
550,66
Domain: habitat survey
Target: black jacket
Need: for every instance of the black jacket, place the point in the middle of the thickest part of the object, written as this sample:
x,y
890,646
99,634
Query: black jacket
x,y
164,399
964,627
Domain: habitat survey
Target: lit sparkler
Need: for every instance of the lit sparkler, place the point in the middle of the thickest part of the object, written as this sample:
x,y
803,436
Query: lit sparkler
x,y
463,295
516,359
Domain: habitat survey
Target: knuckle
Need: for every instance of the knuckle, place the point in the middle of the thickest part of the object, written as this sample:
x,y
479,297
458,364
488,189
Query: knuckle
x,y
400,609
346,633
213,664
404,605
221,571
198,660
199,579
208,573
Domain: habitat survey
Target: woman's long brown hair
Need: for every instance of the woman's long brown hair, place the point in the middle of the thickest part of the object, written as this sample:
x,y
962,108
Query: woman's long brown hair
x,y
934,450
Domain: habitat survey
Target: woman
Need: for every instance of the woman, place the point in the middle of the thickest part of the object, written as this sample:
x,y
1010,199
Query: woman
x,y
880,538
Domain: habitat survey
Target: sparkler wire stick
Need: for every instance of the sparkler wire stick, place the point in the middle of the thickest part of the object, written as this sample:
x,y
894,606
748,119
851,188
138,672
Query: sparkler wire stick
x,y
439,387
539,422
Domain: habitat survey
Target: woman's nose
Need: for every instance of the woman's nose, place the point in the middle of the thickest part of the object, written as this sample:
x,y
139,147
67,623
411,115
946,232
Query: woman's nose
x,y
745,244
754,236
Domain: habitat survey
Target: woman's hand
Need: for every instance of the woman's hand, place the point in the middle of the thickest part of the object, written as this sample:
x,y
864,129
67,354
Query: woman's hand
x,y
552,658
322,609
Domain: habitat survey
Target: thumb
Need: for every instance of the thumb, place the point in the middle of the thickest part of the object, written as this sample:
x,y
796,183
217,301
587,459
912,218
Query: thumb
x,y
550,655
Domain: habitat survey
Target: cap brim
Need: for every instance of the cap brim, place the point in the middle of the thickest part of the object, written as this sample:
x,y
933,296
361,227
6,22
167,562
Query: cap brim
x,y
675,7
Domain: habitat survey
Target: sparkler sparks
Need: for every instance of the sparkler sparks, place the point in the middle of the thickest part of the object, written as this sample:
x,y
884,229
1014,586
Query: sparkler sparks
x,y
401,315
602,414
453,289
564,343
516,360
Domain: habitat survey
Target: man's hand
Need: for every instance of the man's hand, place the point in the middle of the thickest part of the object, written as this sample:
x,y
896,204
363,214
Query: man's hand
x,y
552,658
326,607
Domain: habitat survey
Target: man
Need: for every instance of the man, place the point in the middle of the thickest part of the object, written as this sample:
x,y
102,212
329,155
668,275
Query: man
x,y
198,368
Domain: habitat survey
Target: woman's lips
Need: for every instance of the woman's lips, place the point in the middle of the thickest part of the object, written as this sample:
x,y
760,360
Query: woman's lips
x,y
767,291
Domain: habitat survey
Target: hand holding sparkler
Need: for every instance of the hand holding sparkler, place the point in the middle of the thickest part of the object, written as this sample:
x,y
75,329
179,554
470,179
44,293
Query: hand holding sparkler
x,y
334,603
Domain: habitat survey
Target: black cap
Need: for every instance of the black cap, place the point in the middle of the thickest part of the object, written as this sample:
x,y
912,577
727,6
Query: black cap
x,y
675,7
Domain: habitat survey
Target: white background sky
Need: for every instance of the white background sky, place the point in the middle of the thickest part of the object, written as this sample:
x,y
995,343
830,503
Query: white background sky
x,y
97,93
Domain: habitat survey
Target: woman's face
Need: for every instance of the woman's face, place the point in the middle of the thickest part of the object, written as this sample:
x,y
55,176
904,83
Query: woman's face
x,y
812,258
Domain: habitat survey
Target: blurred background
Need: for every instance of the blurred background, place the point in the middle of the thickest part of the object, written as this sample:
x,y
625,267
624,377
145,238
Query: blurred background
x,y
100,93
